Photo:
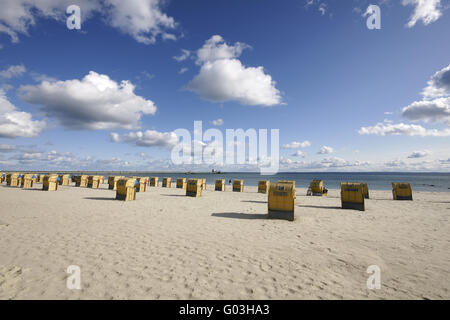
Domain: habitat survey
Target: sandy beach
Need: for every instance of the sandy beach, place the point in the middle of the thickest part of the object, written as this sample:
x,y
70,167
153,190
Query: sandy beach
x,y
165,245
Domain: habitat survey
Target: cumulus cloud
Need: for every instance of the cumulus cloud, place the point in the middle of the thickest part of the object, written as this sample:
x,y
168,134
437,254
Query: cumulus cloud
x,y
183,70
419,154
215,48
437,110
325,150
439,84
13,71
217,122
435,107
298,153
388,129
141,19
183,56
14,123
223,77
297,145
427,11
148,138
225,80
95,102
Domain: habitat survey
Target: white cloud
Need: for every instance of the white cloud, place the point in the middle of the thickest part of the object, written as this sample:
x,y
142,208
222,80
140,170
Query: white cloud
x,y
39,77
148,138
215,48
217,122
95,102
183,56
7,148
388,129
222,77
141,19
427,11
183,70
437,110
298,153
325,150
14,123
55,160
325,164
419,154
434,107
13,71
396,163
297,145
439,84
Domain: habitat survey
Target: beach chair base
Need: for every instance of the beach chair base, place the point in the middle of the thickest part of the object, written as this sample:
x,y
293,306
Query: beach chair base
x,y
192,194
319,194
353,205
282,215
403,198
123,197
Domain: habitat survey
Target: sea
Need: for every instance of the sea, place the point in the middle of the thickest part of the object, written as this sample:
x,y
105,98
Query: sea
x,y
437,182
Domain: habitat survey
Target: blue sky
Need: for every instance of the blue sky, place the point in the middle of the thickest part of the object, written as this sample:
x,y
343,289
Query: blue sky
x,y
344,97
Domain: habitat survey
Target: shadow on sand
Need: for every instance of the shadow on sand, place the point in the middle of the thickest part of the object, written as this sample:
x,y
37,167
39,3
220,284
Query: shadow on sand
x,y
318,207
99,198
236,215
253,201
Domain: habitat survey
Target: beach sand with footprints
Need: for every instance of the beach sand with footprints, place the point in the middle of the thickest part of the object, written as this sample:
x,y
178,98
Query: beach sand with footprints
x,y
165,245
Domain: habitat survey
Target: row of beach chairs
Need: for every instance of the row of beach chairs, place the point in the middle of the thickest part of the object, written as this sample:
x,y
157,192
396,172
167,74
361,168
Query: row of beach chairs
x,y
281,195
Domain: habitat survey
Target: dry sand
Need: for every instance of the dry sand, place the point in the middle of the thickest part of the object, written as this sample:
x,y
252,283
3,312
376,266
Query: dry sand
x,y
165,245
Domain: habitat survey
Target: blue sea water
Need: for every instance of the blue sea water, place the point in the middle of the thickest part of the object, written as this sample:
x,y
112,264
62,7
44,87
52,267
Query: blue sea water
x,y
376,180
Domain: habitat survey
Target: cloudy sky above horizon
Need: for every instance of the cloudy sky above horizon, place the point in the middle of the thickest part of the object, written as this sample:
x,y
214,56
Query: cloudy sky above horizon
x,y
110,95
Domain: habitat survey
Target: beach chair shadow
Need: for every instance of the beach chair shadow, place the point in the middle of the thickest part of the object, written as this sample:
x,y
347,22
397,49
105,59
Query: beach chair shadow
x,y
99,198
253,201
174,195
318,207
237,215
